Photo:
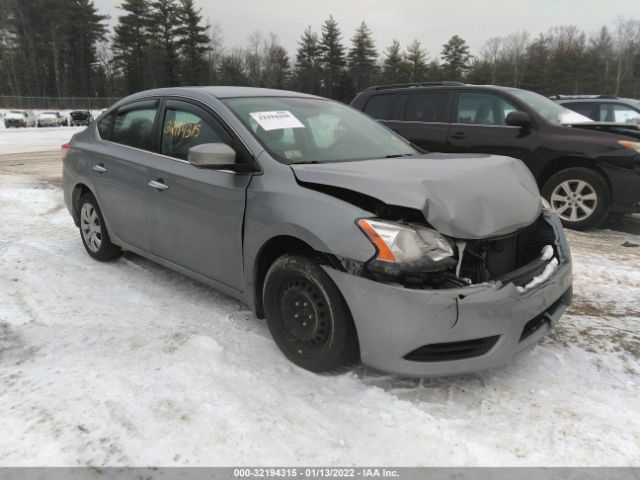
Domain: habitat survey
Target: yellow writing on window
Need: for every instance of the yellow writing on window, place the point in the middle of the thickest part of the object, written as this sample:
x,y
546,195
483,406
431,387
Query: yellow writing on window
x,y
182,129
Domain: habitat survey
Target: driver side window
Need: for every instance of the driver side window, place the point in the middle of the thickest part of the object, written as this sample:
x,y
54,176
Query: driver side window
x,y
183,129
483,109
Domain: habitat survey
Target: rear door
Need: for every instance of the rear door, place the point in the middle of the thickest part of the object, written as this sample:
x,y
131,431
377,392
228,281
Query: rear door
x,y
196,214
479,126
420,117
118,169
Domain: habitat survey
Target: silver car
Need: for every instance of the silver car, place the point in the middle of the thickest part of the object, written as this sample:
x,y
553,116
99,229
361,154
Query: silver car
x,y
354,244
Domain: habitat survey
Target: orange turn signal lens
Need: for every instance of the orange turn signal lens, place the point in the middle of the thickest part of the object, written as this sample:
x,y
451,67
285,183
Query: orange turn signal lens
x,y
384,253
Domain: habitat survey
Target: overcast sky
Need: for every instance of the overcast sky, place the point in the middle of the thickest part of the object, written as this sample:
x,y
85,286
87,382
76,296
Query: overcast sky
x,y
431,22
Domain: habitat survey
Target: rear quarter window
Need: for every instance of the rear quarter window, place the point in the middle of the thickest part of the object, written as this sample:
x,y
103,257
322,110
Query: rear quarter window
x,y
380,107
105,124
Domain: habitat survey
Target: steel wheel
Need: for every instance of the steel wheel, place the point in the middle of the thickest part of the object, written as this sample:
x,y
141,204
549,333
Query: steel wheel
x,y
90,227
574,200
305,315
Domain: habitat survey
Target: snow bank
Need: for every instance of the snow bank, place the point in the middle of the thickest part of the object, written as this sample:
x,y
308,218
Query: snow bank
x,y
127,363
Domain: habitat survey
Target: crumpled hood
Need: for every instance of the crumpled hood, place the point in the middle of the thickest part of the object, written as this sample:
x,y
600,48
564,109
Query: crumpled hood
x,y
464,196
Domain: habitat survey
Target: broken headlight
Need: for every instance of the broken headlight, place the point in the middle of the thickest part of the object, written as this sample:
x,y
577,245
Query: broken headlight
x,y
406,247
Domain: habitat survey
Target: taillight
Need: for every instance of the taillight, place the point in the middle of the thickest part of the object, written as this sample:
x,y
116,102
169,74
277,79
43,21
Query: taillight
x,y
64,149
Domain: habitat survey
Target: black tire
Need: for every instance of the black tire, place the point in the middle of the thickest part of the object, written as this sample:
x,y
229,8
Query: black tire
x,y
104,250
593,186
308,317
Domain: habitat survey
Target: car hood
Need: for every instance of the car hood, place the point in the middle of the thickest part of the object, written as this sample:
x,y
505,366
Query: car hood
x,y
463,196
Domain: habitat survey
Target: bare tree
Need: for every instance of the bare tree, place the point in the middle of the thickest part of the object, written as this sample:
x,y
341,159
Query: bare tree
x,y
514,51
490,53
626,45
216,51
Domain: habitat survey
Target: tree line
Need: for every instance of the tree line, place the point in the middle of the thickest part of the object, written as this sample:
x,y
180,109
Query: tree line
x,y
64,48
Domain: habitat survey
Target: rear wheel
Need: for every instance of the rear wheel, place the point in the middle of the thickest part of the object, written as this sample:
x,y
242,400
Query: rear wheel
x,y
93,231
307,316
579,196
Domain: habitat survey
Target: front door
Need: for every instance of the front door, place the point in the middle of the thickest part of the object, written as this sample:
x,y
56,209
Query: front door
x,y
478,126
196,214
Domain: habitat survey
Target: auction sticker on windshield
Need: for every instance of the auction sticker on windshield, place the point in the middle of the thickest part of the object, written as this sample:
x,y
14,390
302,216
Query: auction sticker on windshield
x,y
276,120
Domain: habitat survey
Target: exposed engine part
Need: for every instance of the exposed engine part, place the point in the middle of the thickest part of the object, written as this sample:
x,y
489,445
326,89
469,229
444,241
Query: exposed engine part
x,y
461,244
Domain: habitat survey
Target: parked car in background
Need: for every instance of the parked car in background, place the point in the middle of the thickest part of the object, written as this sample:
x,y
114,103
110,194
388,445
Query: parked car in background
x,y
602,108
80,118
19,118
585,169
48,119
63,118
352,243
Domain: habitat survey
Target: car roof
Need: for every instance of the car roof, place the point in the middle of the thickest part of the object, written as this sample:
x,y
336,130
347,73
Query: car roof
x,y
382,89
221,92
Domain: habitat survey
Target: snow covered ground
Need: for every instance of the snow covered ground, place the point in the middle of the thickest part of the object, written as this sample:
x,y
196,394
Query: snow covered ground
x,y
128,363
23,140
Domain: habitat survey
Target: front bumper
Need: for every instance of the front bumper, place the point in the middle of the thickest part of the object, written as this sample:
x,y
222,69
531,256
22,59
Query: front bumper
x,y
393,321
14,123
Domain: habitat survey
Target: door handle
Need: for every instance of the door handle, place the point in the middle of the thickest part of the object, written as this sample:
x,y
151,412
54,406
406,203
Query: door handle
x,y
99,168
457,135
158,185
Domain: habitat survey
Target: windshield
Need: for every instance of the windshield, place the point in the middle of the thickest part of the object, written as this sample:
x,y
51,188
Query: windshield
x,y
309,130
550,110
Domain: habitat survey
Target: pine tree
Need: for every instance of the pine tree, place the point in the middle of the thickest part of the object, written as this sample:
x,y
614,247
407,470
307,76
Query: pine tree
x,y
276,66
394,67
86,30
456,57
416,60
536,75
164,32
362,58
232,70
332,59
193,43
308,58
131,44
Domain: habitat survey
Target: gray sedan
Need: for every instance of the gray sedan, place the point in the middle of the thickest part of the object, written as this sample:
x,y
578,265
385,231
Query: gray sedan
x,y
354,244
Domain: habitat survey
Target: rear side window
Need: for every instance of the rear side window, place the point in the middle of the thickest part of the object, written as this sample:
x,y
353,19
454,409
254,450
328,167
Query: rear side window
x,y
134,126
588,109
104,125
427,107
183,130
483,109
380,107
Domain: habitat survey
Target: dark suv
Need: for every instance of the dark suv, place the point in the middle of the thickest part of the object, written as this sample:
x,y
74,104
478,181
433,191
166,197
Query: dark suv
x,y
584,169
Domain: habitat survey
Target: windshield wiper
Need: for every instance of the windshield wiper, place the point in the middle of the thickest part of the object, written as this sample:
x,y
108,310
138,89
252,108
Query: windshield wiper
x,y
398,155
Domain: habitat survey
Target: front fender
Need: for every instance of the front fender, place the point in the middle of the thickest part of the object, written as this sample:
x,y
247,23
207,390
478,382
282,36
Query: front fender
x,y
278,206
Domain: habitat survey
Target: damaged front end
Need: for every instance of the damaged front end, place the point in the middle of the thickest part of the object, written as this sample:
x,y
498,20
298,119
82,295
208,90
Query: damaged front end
x,y
416,256
479,303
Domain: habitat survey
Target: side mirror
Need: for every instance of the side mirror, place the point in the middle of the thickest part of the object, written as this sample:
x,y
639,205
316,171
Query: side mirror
x,y
518,119
213,155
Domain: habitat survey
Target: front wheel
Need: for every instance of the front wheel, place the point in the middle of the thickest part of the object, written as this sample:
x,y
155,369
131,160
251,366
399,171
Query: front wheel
x,y
579,196
93,231
307,316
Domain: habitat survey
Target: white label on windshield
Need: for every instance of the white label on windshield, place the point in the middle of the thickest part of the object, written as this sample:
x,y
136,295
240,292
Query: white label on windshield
x,y
276,120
